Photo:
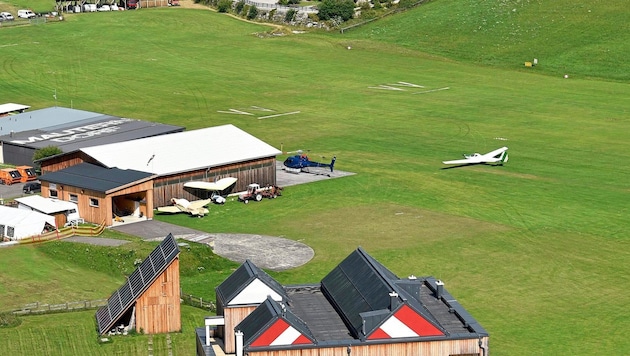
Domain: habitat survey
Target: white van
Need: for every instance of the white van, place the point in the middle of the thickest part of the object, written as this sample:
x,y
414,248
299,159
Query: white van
x,y
26,14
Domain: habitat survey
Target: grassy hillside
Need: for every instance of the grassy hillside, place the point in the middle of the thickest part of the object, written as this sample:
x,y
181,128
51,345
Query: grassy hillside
x,y
587,39
535,250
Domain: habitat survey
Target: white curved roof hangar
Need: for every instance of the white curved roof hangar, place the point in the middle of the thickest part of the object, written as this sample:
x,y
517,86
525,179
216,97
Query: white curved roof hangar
x,y
183,151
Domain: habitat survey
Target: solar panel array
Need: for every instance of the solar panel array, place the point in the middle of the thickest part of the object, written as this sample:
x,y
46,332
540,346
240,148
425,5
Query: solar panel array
x,y
148,271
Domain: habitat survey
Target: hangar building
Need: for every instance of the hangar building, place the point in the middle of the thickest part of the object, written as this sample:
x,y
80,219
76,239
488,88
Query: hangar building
x,y
68,129
134,177
360,308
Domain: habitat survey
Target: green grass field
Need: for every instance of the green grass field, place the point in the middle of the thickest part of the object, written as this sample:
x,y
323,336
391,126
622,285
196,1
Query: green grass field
x,y
535,250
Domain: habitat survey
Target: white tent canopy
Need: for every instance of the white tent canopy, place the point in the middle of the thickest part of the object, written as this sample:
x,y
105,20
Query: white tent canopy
x,y
45,205
16,224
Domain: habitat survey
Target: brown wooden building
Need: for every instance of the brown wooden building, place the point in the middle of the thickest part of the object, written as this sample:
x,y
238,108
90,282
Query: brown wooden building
x,y
149,301
359,308
156,169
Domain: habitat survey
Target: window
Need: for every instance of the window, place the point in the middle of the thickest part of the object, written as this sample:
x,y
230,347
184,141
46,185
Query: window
x,y
10,231
74,198
54,194
94,202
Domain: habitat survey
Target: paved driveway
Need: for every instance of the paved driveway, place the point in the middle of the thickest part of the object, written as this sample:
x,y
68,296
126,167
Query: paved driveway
x,y
268,252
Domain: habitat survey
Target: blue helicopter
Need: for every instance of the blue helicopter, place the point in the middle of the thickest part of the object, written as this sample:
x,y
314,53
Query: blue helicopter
x,y
301,162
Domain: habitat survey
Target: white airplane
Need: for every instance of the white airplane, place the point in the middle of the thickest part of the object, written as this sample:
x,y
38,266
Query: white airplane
x,y
498,156
195,208
215,187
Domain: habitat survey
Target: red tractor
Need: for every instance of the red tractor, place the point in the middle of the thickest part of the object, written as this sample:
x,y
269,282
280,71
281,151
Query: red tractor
x,y
255,192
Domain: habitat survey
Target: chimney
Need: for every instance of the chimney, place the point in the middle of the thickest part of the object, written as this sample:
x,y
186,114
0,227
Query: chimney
x,y
393,300
239,342
439,288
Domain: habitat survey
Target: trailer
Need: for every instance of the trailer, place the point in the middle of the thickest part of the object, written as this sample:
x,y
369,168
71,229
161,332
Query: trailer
x,y
9,176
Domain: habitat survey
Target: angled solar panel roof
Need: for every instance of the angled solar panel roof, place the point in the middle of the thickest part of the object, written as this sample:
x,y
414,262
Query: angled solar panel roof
x,y
357,285
137,283
93,177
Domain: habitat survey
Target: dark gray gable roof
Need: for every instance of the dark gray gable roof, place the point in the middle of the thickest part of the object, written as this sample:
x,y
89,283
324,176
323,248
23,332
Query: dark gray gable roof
x,y
238,280
256,323
357,285
93,177
137,283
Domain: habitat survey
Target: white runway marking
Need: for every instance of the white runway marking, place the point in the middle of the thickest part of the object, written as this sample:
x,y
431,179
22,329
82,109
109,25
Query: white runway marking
x,y
432,90
269,116
234,111
259,108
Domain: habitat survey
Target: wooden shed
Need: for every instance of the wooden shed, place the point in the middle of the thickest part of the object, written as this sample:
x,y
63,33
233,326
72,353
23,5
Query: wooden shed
x,y
149,301
359,308
102,193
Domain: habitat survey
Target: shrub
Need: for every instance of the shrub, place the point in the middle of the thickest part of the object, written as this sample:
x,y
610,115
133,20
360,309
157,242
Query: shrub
x,y
329,9
252,13
239,7
290,15
224,6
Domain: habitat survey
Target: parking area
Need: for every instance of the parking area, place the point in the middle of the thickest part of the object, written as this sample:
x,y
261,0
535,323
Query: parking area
x,y
8,192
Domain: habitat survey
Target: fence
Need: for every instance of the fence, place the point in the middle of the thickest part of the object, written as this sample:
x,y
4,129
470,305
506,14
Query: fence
x,y
263,6
43,308
198,302
65,233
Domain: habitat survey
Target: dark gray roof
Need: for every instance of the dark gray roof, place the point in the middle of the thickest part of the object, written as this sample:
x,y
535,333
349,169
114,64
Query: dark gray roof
x,y
309,304
93,177
241,278
357,285
71,129
137,283
357,291
265,315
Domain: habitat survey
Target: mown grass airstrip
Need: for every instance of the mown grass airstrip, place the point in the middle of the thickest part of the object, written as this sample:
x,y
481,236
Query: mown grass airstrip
x,y
535,250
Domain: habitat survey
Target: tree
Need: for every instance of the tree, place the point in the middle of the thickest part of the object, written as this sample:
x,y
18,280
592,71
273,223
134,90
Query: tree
x,y
252,13
224,6
46,152
329,9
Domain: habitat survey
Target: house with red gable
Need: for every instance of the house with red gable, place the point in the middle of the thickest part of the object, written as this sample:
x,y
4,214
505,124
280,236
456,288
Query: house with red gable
x,y
359,308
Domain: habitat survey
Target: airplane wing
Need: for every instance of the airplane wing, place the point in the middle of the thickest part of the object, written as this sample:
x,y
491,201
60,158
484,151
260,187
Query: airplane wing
x,y
462,161
219,185
169,209
494,156
199,203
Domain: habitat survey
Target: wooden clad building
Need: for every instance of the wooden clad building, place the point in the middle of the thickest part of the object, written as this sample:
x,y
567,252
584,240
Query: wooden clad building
x,y
359,308
169,160
149,300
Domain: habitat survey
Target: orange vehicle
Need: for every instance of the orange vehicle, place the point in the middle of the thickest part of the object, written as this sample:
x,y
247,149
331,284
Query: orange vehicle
x,y
9,176
27,172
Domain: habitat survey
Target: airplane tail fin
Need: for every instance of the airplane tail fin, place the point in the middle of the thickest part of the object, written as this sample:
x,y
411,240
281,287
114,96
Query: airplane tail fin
x,y
332,163
504,157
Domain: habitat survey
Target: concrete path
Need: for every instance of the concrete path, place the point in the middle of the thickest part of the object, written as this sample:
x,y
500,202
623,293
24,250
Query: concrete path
x,y
267,252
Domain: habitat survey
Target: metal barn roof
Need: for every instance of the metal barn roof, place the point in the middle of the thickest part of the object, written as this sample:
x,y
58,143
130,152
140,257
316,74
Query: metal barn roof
x,y
12,107
71,129
93,177
184,151
46,205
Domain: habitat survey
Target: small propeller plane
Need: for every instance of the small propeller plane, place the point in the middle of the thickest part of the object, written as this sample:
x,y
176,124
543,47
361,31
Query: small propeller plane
x,y
498,156
194,208
299,163
217,188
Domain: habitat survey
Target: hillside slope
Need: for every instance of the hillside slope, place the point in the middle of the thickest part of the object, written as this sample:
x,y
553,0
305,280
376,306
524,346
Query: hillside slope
x,y
587,39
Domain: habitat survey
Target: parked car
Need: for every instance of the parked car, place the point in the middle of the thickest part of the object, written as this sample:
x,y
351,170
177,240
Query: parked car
x,y
6,16
32,187
26,14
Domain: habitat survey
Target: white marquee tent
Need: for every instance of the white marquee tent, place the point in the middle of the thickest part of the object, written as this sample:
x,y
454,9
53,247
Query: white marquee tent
x,y
17,224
